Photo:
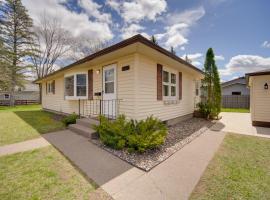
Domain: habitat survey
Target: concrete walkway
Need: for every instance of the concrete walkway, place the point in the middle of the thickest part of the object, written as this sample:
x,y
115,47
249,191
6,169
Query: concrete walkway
x,y
240,123
96,163
23,146
175,178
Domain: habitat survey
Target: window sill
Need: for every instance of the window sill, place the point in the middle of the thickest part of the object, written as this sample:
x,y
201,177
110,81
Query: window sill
x,y
75,98
170,102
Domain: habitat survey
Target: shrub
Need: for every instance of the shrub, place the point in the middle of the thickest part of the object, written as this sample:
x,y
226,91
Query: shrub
x,y
70,119
204,109
131,134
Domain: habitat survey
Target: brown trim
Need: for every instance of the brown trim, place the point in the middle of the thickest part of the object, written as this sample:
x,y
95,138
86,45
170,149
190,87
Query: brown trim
x,y
90,84
180,85
159,82
258,73
124,43
46,87
53,86
261,123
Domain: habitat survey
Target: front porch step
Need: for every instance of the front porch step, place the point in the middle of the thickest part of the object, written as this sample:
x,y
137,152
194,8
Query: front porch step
x,y
87,122
81,130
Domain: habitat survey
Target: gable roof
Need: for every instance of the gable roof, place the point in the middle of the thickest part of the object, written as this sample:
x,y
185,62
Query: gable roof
x,y
240,80
258,73
122,44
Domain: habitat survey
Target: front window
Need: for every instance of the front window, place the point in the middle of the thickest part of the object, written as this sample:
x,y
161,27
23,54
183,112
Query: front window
x,y
6,96
76,86
169,84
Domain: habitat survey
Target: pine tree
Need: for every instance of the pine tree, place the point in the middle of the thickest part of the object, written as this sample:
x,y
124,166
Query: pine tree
x,y
15,26
153,39
211,83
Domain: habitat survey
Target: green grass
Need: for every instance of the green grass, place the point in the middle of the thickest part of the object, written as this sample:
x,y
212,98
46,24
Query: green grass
x,y
239,110
239,170
22,123
41,174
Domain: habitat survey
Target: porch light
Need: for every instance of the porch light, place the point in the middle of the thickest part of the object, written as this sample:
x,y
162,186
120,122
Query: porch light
x,y
266,86
98,71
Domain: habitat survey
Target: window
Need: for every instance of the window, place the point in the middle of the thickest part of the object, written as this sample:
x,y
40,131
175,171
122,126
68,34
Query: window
x,y
197,88
76,86
236,93
50,87
6,96
81,84
169,84
109,81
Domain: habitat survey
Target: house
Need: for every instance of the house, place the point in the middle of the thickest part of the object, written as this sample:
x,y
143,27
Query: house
x,y
23,95
235,87
134,77
259,83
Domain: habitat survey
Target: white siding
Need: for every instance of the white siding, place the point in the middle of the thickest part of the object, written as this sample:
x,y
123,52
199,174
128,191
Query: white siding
x,y
260,98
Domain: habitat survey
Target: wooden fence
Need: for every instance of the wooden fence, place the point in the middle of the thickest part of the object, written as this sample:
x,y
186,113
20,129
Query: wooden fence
x,y
19,102
235,101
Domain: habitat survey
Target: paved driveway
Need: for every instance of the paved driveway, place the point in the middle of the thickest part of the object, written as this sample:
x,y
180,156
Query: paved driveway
x,y
240,123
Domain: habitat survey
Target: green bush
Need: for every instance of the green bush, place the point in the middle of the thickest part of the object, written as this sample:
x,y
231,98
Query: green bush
x,y
204,109
70,119
131,134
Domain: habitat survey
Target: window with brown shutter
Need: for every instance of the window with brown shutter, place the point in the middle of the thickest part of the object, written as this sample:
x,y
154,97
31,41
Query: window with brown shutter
x,y
53,86
159,82
180,85
90,84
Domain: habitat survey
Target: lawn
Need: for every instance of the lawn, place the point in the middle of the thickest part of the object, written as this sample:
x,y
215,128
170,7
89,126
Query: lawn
x,y
22,123
239,170
239,110
41,174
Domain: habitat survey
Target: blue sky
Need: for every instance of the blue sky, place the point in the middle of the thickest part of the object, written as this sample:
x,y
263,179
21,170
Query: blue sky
x,y
237,30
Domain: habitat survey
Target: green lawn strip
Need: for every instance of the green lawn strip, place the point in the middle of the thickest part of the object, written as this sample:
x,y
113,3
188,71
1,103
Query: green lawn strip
x,y
239,170
239,110
20,108
41,174
22,123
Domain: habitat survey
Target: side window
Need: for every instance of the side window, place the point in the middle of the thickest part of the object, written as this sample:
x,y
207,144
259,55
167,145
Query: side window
x,y
169,84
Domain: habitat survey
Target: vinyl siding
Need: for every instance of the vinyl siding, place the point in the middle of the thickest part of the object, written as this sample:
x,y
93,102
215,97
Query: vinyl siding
x,y
146,92
260,98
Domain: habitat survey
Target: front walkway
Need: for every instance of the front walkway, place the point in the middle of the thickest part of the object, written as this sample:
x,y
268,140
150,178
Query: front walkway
x,y
175,178
239,123
23,146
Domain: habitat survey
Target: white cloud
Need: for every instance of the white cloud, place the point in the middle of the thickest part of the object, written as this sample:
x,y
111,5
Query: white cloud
x,y
137,10
179,26
219,57
196,58
92,10
133,29
245,64
77,23
266,44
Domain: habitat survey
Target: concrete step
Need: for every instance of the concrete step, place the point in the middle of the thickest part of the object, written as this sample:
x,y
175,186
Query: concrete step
x,y
81,130
87,122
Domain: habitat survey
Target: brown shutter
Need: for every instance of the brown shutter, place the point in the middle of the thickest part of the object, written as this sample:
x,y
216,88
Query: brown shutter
x,y
53,86
159,82
46,88
180,85
90,84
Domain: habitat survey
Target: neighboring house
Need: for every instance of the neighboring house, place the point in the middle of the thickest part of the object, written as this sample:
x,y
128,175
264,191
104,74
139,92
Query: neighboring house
x,y
28,94
235,87
259,83
134,77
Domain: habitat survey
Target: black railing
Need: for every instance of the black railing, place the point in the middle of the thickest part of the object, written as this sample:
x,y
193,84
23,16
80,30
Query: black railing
x,y
96,107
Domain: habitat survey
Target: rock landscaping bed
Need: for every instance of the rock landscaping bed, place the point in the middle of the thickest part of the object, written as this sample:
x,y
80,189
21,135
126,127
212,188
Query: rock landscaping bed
x,y
178,136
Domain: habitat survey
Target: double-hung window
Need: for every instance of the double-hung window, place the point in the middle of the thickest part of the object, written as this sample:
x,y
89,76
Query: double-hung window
x,y
169,85
76,86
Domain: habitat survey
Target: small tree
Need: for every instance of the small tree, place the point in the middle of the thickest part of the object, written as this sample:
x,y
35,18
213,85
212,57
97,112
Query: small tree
x,y
153,39
15,26
211,83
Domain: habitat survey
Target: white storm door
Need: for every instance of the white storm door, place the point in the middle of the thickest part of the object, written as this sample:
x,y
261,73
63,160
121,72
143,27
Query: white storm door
x,y
109,91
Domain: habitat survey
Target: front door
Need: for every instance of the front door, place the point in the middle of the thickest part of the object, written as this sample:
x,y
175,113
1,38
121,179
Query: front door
x,y
109,91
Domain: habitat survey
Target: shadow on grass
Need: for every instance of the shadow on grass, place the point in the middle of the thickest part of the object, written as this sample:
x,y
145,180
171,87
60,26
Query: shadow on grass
x,y
41,121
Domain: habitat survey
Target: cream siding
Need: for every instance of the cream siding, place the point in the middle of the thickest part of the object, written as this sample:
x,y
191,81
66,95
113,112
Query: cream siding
x,y
260,98
146,92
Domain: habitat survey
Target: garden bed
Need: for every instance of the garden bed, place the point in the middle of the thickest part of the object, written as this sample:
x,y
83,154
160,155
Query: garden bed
x,y
178,136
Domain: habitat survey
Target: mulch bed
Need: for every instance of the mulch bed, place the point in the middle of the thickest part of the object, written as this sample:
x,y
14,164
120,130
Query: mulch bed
x,y
178,136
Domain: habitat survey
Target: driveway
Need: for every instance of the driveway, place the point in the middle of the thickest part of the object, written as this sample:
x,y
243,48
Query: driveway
x,y
239,123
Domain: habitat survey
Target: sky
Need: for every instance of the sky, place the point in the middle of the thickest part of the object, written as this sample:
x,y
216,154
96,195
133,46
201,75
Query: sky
x,y
237,30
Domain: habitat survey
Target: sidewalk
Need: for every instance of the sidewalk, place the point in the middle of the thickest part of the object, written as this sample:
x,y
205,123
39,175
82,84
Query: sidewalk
x,y
175,178
23,146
